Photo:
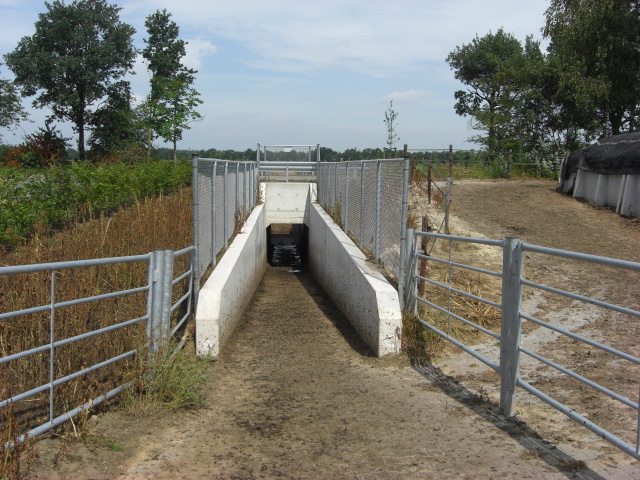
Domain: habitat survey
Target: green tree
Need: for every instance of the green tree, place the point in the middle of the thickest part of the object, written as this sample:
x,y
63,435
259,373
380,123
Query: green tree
x,y
170,79
74,54
390,117
115,124
175,109
11,111
595,50
490,68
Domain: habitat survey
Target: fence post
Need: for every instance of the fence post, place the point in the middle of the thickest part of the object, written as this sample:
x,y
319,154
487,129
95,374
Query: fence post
x,y
346,197
509,163
214,181
160,314
363,166
378,227
409,278
423,263
196,240
403,225
225,203
510,329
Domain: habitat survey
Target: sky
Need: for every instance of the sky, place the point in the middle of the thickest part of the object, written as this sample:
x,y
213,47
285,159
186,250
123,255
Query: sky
x,y
302,72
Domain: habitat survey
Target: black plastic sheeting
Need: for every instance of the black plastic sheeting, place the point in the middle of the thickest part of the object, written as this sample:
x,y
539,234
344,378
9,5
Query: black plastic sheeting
x,y
614,155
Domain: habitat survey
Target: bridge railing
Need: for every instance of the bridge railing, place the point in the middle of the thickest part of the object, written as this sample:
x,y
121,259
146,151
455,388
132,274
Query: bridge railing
x,y
66,353
286,163
437,309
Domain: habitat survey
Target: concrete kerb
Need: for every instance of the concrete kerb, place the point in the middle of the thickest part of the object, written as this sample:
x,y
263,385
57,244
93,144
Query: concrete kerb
x,y
363,295
227,292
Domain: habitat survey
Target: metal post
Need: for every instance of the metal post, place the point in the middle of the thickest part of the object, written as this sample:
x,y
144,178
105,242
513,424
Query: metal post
x,y
423,262
52,318
510,329
214,181
196,240
154,324
378,226
335,194
346,197
409,269
225,203
237,199
363,167
403,224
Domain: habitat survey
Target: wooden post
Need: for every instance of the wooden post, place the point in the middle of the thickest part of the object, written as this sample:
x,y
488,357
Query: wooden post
x,y
429,183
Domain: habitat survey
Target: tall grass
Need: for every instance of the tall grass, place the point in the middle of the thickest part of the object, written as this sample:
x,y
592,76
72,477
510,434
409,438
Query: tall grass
x,y
162,222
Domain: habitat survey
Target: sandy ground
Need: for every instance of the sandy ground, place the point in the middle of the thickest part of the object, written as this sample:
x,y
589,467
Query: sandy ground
x,y
296,395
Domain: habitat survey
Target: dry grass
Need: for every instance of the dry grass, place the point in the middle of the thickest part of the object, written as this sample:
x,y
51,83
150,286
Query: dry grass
x,y
160,223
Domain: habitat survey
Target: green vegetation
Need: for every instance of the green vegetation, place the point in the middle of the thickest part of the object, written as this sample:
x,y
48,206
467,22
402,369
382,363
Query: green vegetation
x,y
585,86
43,200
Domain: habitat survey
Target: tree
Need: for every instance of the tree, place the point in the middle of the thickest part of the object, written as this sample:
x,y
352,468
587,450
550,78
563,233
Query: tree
x,y
390,117
11,111
490,67
175,110
596,47
170,79
74,54
115,124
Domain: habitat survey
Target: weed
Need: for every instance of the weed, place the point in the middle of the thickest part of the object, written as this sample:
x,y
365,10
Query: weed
x,y
418,342
16,457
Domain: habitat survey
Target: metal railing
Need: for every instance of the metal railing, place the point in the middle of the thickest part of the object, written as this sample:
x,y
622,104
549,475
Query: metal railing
x,y
286,163
510,335
163,316
224,194
368,198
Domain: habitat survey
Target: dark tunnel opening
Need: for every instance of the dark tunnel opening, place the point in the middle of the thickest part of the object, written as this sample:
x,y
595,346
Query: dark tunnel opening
x,y
287,245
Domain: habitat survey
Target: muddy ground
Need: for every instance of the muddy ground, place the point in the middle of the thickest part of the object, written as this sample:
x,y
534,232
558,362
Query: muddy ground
x,y
296,395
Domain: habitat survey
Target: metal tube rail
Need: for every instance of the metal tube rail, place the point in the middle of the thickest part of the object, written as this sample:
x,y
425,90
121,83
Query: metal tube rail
x,y
577,376
460,265
610,262
461,345
62,380
458,317
582,298
46,267
580,338
482,241
460,292
601,432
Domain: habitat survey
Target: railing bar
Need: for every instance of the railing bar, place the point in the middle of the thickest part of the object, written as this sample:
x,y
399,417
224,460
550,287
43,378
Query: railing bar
x,y
582,298
460,265
179,324
26,311
179,302
181,277
26,353
461,345
458,317
580,338
183,251
45,267
580,378
601,432
585,257
483,241
466,294
93,333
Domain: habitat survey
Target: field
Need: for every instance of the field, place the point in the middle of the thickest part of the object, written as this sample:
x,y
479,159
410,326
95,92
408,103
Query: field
x,y
296,396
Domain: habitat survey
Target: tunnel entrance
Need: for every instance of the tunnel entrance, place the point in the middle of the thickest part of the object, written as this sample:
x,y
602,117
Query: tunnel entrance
x,y
287,245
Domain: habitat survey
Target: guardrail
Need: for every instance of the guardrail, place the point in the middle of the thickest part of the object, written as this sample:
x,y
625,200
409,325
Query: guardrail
x,y
159,309
510,336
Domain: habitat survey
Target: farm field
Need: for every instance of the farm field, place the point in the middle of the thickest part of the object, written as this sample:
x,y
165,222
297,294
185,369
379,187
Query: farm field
x,y
295,396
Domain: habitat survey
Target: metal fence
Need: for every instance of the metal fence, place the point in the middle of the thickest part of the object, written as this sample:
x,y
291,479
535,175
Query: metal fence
x,y
50,360
439,303
224,194
369,200
288,162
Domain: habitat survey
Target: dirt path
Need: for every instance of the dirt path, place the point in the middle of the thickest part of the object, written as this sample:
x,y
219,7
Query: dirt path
x,y
296,395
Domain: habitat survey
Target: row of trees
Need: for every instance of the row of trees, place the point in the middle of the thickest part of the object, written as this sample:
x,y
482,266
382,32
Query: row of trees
x,y
585,86
75,64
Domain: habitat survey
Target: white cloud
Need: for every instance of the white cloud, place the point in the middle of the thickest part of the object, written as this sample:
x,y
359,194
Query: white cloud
x,y
407,96
196,50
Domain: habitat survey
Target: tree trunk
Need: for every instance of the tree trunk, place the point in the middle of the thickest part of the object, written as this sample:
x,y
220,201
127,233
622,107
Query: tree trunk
x,y
175,158
149,142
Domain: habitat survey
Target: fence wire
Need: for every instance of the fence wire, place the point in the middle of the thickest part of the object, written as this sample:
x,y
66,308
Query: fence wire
x,y
365,198
225,192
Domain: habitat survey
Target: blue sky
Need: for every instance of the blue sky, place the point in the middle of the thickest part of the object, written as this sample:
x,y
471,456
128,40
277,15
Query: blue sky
x,y
307,72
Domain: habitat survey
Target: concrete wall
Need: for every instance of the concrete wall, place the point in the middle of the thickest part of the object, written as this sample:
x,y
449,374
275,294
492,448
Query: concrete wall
x,y
288,202
365,297
227,292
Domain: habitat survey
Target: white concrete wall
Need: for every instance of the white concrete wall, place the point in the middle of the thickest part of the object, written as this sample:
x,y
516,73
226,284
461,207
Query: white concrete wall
x,y
622,192
288,202
227,292
363,295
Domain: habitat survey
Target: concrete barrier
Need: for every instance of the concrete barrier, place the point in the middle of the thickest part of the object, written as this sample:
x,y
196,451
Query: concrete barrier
x,y
363,295
227,292
288,202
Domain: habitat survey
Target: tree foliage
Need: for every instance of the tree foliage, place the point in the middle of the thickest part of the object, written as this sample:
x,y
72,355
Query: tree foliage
x,y
390,117
11,111
77,50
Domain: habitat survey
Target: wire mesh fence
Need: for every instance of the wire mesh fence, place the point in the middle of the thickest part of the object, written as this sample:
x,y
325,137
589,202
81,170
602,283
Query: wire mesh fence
x,y
288,162
224,195
365,198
